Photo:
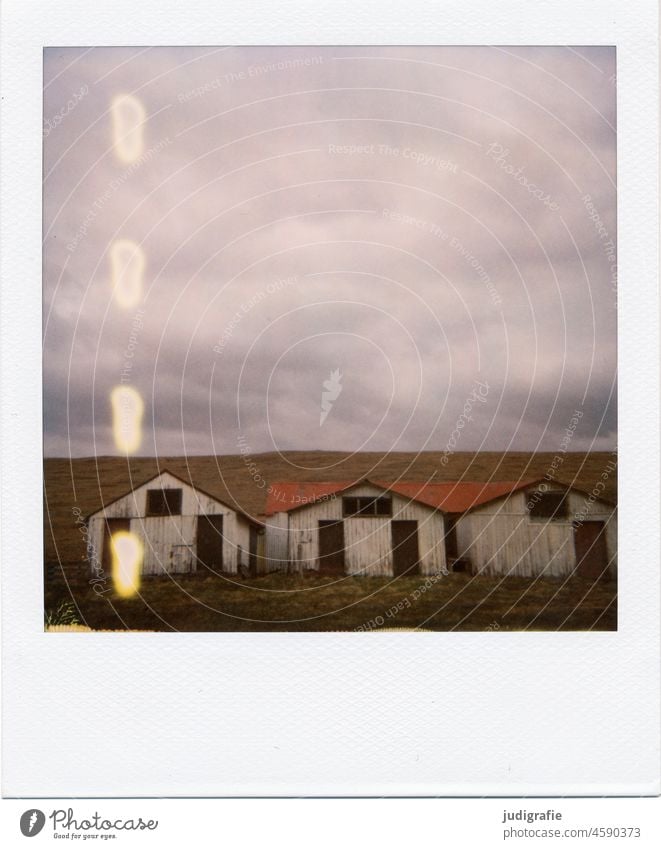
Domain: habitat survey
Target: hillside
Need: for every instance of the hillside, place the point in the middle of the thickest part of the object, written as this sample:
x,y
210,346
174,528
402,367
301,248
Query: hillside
x,y
75,488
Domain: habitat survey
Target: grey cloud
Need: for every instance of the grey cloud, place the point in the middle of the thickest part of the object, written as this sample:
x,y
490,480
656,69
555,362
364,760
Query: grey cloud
x,y
247,183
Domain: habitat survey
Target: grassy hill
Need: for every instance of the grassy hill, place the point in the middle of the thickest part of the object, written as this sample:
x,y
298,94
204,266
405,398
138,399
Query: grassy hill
x,y
76,488
86,484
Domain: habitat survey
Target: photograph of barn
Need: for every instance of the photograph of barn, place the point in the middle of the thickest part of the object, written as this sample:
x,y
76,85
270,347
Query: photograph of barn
x,y
180,529
364,529
527,529
330,338
538,528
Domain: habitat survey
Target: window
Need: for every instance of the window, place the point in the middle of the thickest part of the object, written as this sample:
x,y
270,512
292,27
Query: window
x,y
163,502
367,506
547,506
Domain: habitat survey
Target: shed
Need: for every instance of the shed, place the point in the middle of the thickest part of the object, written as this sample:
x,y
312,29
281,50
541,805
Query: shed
x,y
526,528
352,528
540,528
182,529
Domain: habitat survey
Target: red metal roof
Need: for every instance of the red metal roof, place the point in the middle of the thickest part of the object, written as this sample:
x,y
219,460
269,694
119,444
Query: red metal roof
x,y
457,496
451,496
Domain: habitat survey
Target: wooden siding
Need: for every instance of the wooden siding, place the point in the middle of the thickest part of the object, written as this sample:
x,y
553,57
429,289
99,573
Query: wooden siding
x,y
276,539
170,541
367,541
499,538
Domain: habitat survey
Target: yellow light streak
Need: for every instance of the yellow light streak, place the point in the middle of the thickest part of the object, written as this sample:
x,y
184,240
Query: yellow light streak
x,y
127,265
128,115
127,556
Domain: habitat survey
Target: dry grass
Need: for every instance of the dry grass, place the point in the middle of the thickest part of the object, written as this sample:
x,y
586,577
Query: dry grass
x,y
299,603
86,484
76,488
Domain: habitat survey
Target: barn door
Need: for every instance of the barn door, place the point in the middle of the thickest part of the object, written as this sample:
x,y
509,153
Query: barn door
x,y
210,541
405,553
590,548
331,548
113,526
252,551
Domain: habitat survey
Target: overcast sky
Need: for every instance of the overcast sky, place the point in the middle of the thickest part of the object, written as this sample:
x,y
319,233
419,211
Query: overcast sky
x,y
416,219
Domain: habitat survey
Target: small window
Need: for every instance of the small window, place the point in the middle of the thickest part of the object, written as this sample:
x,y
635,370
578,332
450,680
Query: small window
x,y
163,502
367,506
547,506
350,506
384,507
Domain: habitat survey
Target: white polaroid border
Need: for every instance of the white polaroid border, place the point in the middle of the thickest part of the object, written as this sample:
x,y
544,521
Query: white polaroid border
x,y
461,714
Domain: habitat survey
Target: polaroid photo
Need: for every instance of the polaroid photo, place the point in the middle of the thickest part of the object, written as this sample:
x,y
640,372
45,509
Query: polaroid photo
x,y
314,345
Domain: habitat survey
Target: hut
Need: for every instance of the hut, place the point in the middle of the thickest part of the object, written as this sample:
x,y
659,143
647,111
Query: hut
x,y
181,528
524,528
352,528
539,528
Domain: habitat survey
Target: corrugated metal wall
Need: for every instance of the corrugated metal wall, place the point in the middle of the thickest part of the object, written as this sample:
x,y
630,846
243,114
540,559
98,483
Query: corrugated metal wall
x,y
169,541
276,543
367,541
501,539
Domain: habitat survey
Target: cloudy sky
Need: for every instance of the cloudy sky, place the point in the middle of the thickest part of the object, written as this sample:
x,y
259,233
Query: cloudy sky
x,y
330,248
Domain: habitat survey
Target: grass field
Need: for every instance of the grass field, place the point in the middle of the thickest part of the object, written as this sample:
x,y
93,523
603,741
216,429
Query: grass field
x,y
75,488
454,602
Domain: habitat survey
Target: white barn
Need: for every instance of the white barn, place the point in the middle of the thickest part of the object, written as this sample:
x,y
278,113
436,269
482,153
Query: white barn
x,y
182,529
539,528
364,528
522,528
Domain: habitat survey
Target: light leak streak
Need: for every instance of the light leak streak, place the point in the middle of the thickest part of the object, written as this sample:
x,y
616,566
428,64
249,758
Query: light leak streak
x,y
127,265
127,556
127,410
128,115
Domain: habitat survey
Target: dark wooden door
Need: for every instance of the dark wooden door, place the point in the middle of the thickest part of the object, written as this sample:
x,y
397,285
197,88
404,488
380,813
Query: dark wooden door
x,y
405,552
451,548
331,548
113,526
252,551
210,541
590,548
